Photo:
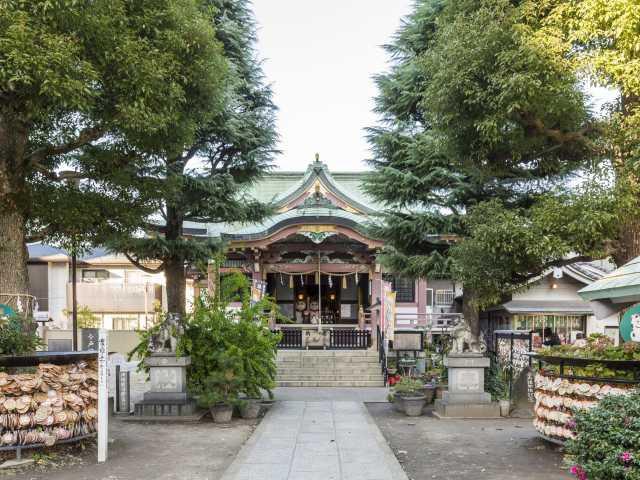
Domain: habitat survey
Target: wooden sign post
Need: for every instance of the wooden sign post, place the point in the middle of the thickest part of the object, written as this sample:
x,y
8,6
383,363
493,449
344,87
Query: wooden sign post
x,y
103,395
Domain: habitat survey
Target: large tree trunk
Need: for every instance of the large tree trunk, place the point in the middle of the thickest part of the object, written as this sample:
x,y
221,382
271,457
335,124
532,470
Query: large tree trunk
x,y
174,270
13,254
14,205
624,145
470,310
174,265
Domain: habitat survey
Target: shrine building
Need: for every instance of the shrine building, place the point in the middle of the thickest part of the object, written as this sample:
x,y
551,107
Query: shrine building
x,y
316,256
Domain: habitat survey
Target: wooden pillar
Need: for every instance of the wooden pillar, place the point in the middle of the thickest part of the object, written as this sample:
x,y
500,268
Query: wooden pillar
x,y
421,295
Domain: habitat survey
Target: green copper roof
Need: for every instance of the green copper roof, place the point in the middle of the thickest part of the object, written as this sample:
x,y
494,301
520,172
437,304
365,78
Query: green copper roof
x,y
296,215
623,282
281,188
278,186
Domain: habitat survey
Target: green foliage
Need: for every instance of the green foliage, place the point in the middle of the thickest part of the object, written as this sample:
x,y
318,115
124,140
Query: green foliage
x,y
18,335
598,347
408,387
231,349
130,79
607,444
497,380
234,144
215,331
506,247
86,318
480,115
223,384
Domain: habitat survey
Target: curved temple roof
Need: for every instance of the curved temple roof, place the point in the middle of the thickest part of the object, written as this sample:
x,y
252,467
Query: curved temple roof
x,y
315,196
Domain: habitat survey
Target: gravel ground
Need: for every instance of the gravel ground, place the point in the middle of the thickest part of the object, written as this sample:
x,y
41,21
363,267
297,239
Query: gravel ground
x,y
199,451
500,449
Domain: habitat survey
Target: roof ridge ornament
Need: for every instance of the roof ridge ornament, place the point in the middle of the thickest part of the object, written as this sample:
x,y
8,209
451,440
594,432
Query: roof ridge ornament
x,y
317,200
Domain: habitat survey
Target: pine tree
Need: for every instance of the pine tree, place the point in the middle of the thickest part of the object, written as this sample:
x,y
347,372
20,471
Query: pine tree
x,y
206,180
475,108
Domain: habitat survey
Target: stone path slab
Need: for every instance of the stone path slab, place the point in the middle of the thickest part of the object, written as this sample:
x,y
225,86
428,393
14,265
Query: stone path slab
x,y
316,440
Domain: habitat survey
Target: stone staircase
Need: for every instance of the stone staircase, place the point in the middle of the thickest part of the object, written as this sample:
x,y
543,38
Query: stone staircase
x,y
329,368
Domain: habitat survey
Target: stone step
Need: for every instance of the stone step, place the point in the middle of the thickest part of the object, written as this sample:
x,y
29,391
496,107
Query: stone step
x,y
375,376
328,360
329,371
329,352
332,383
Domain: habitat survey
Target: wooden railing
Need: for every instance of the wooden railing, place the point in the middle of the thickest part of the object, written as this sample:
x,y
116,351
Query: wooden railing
x,y
349,339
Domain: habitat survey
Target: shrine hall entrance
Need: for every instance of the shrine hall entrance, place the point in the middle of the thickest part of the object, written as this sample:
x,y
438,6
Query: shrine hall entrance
x,y
335,300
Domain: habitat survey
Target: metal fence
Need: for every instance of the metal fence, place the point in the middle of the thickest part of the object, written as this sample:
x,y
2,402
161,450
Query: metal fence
x,y
291,338
349,339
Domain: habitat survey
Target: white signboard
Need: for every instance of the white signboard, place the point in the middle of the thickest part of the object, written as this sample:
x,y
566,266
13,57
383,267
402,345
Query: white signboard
x,y
103,395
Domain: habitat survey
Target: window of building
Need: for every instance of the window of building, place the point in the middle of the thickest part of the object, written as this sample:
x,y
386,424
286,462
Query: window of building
x,y
126,323
94,275
444,297
561,324
405,289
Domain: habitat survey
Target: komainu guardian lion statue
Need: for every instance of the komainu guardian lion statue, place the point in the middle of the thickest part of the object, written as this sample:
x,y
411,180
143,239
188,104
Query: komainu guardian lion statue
x,y
166,340
464,341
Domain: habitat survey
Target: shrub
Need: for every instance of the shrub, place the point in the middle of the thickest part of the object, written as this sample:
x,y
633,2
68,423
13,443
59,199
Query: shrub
x,y
607,444
408,387
213,330
18,335
223,385
225,345
497,383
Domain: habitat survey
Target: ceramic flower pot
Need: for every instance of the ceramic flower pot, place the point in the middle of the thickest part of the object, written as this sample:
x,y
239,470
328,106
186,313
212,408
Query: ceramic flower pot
x,y
221,413
505,407
250,408
398,404
429,393
267,404
440,388
413,405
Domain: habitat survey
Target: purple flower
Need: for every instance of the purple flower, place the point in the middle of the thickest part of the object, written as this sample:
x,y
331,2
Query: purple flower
x,y
571,424
626,457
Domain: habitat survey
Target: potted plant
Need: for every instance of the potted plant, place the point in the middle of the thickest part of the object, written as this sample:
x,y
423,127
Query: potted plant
x,y
411,393
396,401
250,407
219,391
429,390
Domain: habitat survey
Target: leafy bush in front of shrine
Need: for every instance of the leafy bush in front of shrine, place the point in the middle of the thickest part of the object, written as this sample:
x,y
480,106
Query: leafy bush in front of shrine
x,y
232,349
607,444
214,330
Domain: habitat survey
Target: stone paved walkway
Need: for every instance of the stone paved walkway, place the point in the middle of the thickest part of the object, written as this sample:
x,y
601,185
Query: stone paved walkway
x,y
325,440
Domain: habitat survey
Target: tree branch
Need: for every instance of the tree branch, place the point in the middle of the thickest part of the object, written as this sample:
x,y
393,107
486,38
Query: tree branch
x,y
137,263
84,137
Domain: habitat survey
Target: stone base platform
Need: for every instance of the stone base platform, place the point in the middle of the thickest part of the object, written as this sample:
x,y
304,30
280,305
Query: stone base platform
x,y
197,416
162,408
444,409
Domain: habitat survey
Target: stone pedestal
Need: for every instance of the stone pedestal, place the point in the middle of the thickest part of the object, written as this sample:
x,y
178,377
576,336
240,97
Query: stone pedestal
x,y
168,395
466,397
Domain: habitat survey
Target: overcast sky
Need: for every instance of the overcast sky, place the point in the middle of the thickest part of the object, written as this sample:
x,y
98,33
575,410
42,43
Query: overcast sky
x,y
320,56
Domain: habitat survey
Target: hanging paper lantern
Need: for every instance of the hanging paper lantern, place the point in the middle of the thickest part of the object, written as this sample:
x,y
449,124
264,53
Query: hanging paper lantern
x,y
344,282
318,278
290,281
